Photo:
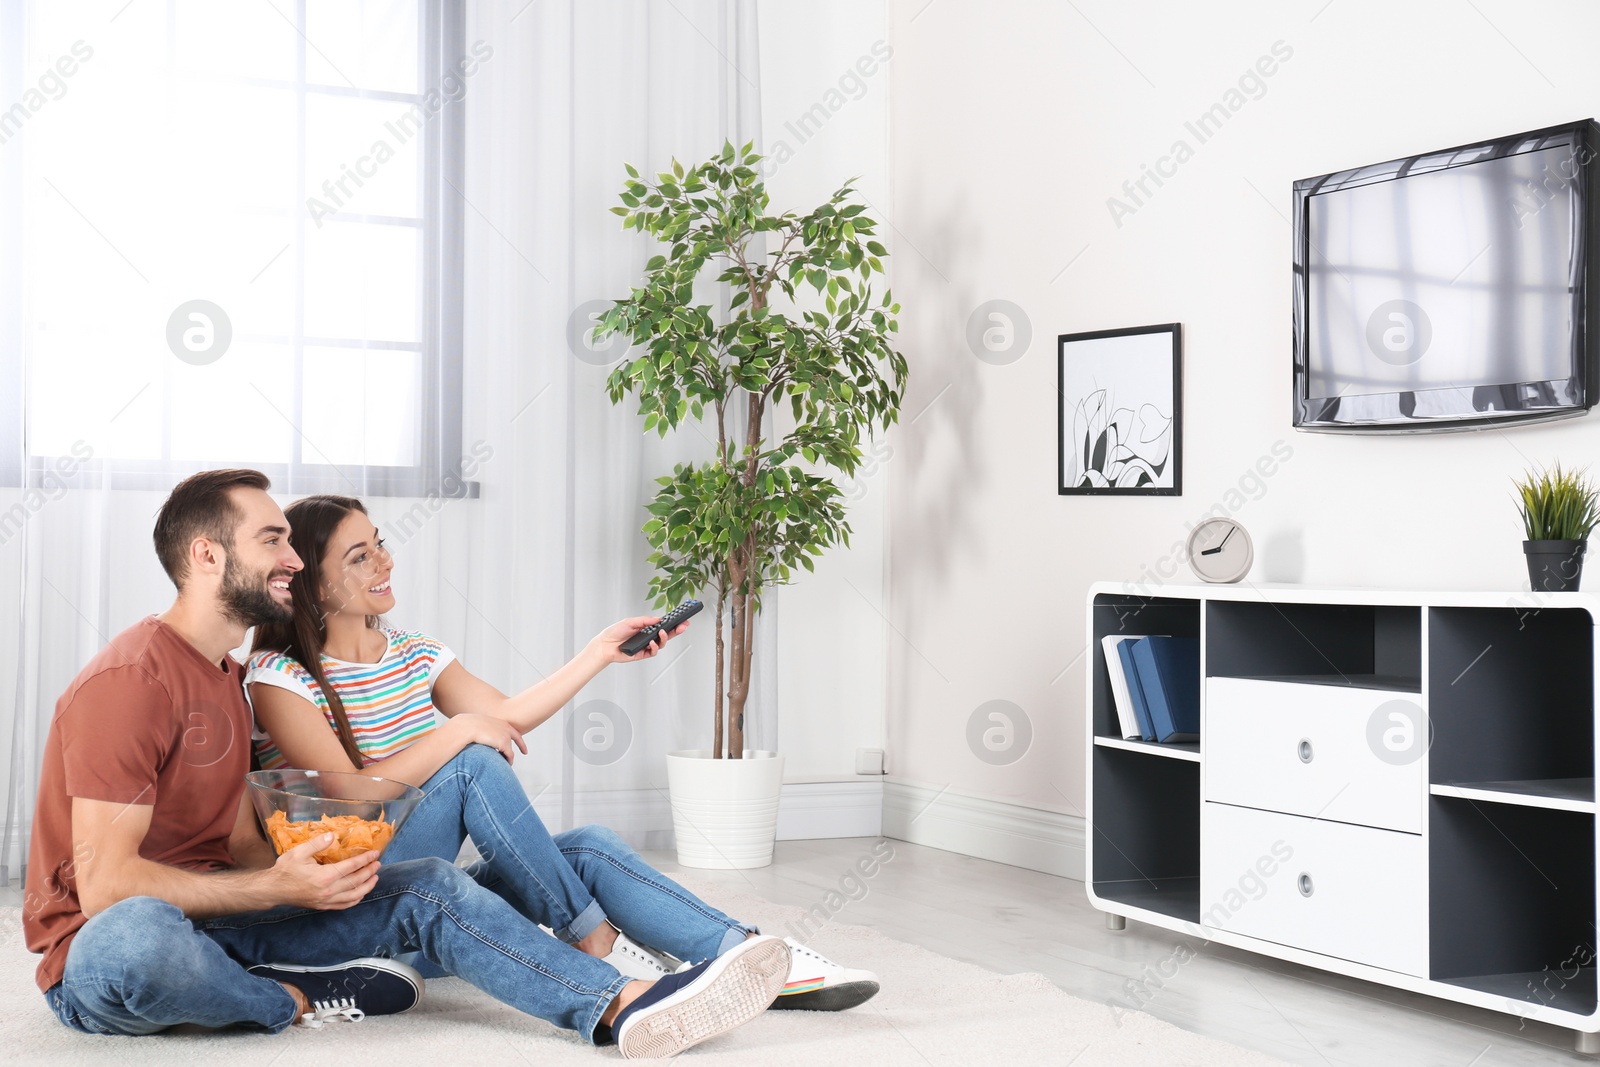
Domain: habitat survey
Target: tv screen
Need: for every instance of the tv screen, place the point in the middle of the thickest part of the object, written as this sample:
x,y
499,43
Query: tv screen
x,y
1447,290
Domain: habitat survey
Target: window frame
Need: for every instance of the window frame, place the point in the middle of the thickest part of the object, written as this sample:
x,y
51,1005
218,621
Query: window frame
x,y
438,470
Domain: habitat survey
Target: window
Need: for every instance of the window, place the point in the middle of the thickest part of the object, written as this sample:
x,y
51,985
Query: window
x,y
240,241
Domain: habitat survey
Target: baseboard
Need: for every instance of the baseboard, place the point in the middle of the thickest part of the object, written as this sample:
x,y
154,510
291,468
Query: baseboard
x,y
1039,840
806,810
848,808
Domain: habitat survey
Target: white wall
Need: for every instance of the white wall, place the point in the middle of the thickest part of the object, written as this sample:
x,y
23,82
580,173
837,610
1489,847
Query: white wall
x,y
1011,126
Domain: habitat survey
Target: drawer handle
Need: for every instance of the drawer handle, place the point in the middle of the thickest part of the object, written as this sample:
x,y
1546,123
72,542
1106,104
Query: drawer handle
x,y
1305,750
1304,884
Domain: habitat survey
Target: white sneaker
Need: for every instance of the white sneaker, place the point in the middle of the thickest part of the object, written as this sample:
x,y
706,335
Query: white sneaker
x,y
633,960
816,983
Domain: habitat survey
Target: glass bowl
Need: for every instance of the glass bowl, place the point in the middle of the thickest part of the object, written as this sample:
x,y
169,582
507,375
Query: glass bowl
x,y
363,812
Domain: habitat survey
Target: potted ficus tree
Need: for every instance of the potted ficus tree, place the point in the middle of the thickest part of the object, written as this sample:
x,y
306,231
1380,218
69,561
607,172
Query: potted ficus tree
x,y
803,343
1559,508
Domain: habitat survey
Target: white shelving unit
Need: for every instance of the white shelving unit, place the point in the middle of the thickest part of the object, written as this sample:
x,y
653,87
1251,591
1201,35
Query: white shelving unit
x,y
1395,786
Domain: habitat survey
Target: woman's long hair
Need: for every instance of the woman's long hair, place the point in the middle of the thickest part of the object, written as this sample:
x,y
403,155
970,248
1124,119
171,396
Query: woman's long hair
x,y
312,522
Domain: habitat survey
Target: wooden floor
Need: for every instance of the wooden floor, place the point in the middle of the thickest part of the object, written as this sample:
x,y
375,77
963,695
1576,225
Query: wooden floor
x,y
1011,920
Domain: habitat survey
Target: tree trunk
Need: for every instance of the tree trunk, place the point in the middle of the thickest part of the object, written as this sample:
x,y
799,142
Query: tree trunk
x,y
738,671
743,567
739,691
749,650
716,729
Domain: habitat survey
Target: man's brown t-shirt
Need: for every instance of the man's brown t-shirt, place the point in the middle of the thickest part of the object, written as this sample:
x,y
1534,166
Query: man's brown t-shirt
x,y
149,721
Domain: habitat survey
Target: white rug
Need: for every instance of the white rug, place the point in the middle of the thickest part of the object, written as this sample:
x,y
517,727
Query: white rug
x,y
931,1010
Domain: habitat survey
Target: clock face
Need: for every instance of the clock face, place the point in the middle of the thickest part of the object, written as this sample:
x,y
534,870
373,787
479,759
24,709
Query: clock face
x,y
1220,551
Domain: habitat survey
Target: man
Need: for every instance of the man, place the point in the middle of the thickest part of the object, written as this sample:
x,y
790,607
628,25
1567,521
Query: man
x,y
155,901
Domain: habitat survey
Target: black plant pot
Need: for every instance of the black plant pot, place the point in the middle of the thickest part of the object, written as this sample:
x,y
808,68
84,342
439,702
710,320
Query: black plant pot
x,y
1554,566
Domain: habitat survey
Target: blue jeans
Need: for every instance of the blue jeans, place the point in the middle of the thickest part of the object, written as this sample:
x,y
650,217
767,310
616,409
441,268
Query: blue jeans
x,y
571,882
141,966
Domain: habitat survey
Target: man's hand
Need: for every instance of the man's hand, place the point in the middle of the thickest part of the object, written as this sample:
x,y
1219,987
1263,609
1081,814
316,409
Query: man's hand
x,y
108,869
304,882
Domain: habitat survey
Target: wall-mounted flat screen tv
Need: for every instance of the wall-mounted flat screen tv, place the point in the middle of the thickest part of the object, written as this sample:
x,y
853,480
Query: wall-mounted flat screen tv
x,y
1448,291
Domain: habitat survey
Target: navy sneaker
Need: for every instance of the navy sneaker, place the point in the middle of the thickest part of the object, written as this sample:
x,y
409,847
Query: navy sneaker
x,y
683,1009
350,990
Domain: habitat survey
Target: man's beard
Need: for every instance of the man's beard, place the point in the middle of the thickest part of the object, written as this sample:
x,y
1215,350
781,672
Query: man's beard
x,y
245,598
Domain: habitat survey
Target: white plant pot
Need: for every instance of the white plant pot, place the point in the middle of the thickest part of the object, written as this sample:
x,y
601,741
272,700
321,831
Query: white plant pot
x,y
724,811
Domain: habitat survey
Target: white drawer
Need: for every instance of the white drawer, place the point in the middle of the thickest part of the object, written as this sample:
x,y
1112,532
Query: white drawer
x,y
1312,750
1352,892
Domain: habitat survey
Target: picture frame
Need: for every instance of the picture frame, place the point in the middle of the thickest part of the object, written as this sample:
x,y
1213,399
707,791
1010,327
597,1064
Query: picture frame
x,y
1120,412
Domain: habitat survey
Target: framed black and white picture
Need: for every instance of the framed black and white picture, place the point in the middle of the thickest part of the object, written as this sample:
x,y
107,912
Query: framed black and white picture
x,y
1121,411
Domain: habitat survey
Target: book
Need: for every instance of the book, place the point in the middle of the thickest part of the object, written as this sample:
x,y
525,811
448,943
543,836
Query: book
x,y
1130,674
1127,721
1169,675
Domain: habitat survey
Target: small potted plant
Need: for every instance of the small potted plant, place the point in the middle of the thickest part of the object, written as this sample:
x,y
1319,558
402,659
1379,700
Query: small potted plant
x,y
794,372
1559,508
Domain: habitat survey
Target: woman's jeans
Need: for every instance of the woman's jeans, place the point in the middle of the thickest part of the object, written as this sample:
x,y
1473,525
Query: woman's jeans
x,y
141,966
571,882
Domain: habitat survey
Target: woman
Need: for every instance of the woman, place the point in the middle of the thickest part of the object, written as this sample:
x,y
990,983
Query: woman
x,y
333,690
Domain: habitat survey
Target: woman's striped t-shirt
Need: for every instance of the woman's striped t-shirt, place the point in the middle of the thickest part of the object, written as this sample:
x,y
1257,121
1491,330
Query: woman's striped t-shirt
x,y
389,703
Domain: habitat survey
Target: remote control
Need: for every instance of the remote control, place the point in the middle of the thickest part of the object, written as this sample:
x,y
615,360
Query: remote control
x,y
669,622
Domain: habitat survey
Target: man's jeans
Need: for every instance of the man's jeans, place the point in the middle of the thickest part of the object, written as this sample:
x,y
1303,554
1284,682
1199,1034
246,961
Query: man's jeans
x,y
142,966
571,882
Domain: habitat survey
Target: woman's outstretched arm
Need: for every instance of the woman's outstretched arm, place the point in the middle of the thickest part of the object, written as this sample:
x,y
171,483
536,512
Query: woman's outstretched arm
x,y
457,691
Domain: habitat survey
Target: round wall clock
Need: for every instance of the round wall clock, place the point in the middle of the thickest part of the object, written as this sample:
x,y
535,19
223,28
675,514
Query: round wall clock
x,y
1220,551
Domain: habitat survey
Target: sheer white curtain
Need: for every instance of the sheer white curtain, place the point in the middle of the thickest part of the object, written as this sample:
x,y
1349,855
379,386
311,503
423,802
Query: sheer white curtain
x,y
552,551
400,210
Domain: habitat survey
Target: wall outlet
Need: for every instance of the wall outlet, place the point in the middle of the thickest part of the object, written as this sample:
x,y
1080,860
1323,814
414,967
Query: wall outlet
x,y
869,761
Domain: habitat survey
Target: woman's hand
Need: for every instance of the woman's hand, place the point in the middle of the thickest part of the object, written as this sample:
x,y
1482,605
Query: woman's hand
x,y
608,641
470,728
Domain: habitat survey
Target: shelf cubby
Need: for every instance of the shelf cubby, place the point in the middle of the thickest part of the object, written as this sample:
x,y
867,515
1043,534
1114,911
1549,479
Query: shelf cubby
x,y
1510,695
1512,901
1135,615
1364,645
1147,832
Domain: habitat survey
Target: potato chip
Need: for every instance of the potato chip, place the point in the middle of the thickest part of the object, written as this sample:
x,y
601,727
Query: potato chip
x,y
353,835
